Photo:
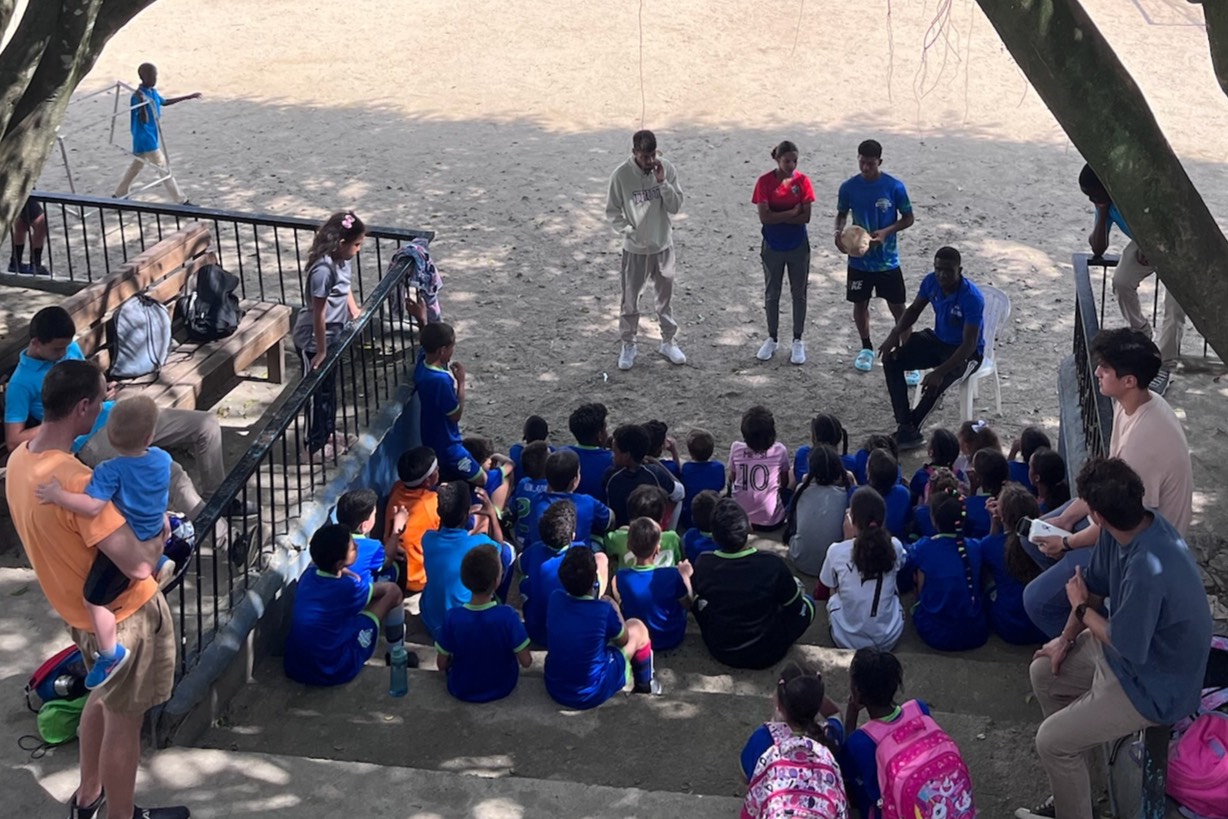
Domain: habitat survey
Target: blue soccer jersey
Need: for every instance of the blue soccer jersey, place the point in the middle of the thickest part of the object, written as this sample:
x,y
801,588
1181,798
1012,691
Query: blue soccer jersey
x,y
1004,599
651,594
442,552
594,461
1020,474
483,642
949,613
964,307
331,634
696,476
540,565
593,518
695,543
521,503
582,669
437,397
873,206
801,463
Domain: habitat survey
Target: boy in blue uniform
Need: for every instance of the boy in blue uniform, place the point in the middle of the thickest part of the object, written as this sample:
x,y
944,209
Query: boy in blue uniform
x,y
593,518
592,654
587,424
337,614
631,470
498,468
880,204
535,429
954,347
532,484
356,511
482,644
700,473
698,539
658,596
539,565
444,548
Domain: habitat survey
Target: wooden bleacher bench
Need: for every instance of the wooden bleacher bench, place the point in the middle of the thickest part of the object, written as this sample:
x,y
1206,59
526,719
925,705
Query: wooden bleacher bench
x,y
194,369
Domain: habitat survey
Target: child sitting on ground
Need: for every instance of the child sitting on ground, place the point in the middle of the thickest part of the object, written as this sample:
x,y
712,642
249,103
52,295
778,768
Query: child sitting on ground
x,y
875,678
137,480
337,614
943,452
631,469
535,429
482,645
532,484
592,654
759,473
1010,567
539,565
805,730
418,473
500,474
658,595
864,606
700,473
1047,472
1025,446
660,442
824,429
990,472
949,613
593,518
587,425
356,511
862,457
942,480
645,502
883,473
973,436
816,513
444,548
698,539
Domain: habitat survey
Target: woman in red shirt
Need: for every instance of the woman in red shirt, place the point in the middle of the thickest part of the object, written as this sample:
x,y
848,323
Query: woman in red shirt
x,y
784,195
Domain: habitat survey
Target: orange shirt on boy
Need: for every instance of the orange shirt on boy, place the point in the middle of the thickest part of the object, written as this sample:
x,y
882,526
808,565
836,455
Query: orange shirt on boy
x,y
61,544
423,507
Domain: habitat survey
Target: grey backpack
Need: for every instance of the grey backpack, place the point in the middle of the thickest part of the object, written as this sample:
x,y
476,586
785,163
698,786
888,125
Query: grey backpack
x,y
139,335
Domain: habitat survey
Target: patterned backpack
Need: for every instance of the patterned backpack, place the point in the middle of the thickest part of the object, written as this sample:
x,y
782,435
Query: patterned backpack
x,y
797,777
921,774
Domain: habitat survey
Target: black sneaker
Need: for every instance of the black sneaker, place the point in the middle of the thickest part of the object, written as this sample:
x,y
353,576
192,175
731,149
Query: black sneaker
x,y
651,687
1159,384
76,811
172,812
1045,810
908,438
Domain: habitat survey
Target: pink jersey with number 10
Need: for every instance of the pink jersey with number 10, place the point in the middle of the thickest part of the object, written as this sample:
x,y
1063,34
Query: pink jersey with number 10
x,y
757,479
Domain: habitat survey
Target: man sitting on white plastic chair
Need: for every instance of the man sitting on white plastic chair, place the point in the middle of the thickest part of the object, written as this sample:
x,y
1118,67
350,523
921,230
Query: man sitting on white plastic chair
x,y
952,350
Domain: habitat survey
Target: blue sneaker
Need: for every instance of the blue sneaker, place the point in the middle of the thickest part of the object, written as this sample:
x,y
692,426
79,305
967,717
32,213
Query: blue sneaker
x,y
912,377
104,670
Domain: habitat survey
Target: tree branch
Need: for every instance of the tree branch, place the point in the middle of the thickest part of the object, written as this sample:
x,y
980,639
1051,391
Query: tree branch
x,y
1216,16
7,7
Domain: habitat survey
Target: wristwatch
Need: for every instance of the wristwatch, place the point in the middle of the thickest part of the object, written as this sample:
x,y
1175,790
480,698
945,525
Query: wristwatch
x,y
1066,543
1079,611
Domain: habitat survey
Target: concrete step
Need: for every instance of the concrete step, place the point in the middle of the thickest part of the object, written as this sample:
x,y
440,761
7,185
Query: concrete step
x,y
687,741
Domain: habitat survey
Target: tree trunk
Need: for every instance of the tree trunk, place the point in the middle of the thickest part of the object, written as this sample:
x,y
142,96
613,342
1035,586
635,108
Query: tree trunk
x,y
54,46
1216,15
1099,106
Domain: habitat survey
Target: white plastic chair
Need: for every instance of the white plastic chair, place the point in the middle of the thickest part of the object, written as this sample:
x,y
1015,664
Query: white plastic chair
x,y
997,313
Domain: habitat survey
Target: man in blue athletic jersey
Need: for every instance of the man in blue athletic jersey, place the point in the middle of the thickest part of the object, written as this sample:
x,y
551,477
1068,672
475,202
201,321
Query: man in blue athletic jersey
x,y
879,203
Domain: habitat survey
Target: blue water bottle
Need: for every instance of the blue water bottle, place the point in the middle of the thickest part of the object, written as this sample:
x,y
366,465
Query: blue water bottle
x,y
399,685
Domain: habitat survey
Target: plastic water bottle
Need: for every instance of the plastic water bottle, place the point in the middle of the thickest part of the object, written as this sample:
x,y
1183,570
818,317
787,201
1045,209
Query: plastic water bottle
x,y
399,686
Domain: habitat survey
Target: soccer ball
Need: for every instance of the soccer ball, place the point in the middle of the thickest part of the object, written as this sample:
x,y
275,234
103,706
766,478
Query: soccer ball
x,y
856,240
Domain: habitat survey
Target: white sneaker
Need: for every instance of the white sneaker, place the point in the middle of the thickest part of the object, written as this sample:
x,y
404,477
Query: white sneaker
x,y
767,350
673,352
627,357
798,356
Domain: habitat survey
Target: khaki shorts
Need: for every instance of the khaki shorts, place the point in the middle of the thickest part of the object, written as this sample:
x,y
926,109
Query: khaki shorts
x,y
147,678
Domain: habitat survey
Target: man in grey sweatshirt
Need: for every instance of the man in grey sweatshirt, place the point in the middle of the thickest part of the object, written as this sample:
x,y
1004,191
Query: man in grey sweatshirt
x,y
644,194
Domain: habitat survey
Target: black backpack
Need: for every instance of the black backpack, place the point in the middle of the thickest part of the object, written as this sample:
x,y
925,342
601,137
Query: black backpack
x,y
212,312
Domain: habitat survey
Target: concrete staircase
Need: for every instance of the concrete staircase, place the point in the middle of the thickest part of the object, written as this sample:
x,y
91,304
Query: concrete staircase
x,y
635,756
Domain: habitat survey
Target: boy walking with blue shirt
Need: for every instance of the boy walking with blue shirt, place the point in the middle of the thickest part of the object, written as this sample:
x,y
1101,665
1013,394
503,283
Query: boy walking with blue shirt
x,y
879,203
954,347
482,645
146,105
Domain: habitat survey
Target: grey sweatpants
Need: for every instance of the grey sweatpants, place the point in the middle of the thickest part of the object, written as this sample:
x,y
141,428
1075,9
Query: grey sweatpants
x,y
775,264
637,270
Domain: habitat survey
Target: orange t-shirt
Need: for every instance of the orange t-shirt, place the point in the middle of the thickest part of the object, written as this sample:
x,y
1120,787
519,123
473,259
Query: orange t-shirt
x,y
423,506
61,544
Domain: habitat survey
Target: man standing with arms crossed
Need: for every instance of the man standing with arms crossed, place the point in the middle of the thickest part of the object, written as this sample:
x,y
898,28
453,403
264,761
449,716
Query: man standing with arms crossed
x,y
644,193
61,548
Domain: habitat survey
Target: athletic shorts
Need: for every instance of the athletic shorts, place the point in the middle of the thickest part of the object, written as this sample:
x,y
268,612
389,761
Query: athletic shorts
x,y
456,464
30,211
887,285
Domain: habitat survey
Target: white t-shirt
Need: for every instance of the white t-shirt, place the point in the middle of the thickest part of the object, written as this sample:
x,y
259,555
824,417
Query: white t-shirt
x,y
1153,443
854,624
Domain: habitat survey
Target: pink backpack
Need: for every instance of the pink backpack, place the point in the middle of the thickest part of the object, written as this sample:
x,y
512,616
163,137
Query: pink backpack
x,y
1198,766
920,771
797,777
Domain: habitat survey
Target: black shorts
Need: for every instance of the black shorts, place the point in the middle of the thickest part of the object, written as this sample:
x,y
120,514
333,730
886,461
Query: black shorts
x,y
30,211
887,285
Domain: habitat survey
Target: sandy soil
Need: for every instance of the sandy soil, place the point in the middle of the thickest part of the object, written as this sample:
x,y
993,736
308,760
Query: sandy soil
x,y
498,126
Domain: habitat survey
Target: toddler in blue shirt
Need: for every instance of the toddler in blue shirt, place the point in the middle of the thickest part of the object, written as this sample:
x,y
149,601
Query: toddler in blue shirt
x,y
137,480
698,539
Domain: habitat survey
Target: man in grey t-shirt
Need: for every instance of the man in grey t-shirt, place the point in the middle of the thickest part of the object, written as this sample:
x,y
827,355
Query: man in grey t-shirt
x,y
1105,677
